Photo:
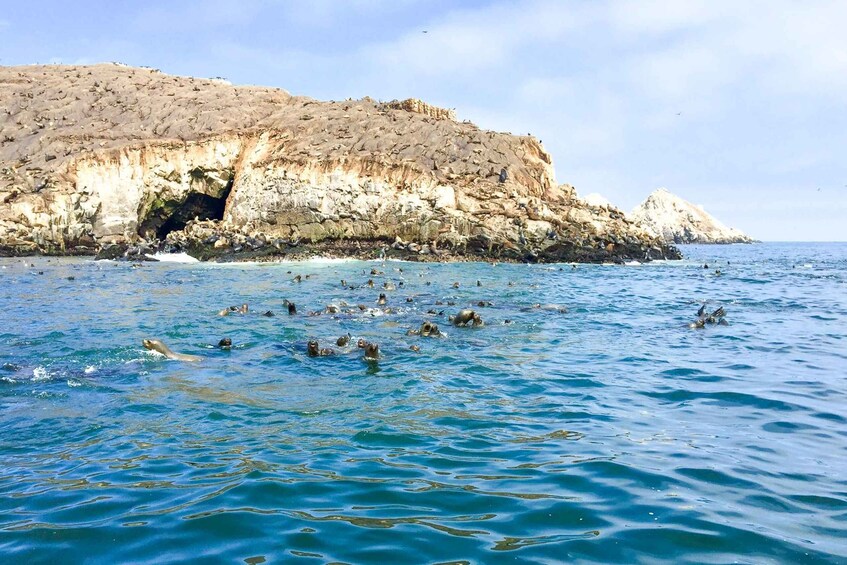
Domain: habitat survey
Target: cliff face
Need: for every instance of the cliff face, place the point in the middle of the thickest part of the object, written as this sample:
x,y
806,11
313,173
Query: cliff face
x,y
108,154
678,221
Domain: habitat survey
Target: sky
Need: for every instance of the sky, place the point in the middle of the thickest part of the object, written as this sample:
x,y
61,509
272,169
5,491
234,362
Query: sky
x,y
738,106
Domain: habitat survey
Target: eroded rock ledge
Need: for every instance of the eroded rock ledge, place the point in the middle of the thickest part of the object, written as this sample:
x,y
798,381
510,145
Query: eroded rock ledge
x,y
107,155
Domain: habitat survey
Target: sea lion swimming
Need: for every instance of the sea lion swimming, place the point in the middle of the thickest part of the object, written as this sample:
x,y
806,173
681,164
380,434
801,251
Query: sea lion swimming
x,y
361,343
381,300
343,340
371,352
466,316
427,329
157,345
292,309
313,350
703,318
225,343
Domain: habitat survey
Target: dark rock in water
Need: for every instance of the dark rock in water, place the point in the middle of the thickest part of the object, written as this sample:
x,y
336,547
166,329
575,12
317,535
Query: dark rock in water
x,y
111,252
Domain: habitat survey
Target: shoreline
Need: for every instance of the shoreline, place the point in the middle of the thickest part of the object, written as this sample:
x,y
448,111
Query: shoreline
x,y
368,250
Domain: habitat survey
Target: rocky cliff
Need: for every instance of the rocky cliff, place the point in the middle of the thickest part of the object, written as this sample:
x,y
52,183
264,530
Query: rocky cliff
x,y
93,156
678,221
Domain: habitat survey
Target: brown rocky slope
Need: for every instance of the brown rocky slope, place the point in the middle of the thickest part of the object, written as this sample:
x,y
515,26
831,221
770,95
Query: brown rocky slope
x,y
109,157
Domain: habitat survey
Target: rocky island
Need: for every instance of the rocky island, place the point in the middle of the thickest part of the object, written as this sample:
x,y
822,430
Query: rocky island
x,y
675,220
121,161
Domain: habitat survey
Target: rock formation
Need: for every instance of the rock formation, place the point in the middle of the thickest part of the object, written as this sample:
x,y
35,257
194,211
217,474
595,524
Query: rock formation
x,y
93,156
678,221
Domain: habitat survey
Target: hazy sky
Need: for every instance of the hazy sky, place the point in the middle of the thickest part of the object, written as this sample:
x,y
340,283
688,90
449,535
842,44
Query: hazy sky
x,y
738,106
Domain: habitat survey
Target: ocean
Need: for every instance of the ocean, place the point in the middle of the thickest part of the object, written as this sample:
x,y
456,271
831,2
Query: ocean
x,y
611,432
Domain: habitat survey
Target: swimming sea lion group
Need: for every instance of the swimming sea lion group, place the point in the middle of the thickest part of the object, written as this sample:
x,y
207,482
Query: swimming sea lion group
x,y
703,318
428,329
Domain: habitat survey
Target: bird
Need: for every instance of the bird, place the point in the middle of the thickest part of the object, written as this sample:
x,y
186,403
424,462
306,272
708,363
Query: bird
x,y
679,113
424,31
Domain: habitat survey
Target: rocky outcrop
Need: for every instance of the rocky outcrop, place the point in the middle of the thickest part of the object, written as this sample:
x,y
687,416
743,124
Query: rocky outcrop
x,y
421,107
108,155
678,221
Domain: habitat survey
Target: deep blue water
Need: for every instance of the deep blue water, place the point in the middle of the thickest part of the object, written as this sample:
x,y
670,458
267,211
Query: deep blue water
x,y
610,433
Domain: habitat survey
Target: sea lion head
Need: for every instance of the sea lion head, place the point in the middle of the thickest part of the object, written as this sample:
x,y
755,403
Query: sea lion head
x,y
225,343
244,308
312,348
343,340
156,345
428,329
381,300
292,309
372,351
361,343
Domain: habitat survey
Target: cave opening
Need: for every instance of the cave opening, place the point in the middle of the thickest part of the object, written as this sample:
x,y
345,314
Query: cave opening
x,y
174,216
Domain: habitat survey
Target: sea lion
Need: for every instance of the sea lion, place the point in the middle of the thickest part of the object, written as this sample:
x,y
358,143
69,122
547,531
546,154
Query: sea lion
x,y
298,278
157,345
427,329
292,309
331,309
343,340
388,286
465,317
371,352
314,350
268,314
361,343
456,284
225,343
370,283
703,318
381,300
414,348
244,308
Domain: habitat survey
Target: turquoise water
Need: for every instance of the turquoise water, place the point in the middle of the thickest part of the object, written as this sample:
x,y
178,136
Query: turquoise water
x,y
610,433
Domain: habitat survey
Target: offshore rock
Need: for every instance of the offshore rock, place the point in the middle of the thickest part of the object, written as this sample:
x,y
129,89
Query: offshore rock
x,y
93,156
678,221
